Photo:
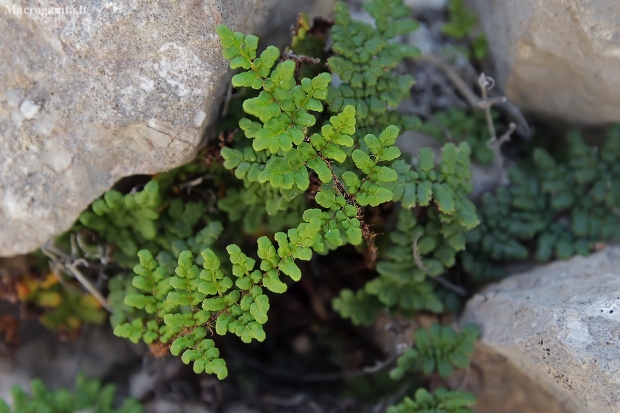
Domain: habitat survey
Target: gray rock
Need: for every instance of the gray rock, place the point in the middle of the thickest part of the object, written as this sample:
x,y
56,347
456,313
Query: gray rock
x,y
238,407
97,353
9,380
124,88
153,372
560,325
169,406
423,39
418,5
500,387
557,58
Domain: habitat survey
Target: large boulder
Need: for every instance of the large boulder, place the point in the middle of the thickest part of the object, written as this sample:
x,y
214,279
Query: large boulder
x,y
560,325
500,387
121,88
557,58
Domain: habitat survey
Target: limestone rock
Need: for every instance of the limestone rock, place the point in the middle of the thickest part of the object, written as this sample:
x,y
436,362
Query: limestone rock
x,y
557,58
124,88
499,386
97,353
560,325
418,5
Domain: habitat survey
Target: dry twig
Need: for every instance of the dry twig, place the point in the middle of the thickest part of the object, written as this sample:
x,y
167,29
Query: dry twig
x,y
487,83
61,262
521,126
72,267
416,255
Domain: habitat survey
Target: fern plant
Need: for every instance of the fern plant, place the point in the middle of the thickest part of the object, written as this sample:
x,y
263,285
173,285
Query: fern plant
x,y
149,218
184,302
120,286
441,401
425,240
363,61
87,396
560,208
315,151
374,93
458,125
125,220
282,155
314,157
460,26
440,349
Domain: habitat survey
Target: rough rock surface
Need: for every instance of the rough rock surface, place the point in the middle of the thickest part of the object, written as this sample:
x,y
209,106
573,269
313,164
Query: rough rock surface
x,y
126,87
500,387
418,5
557,58
97,354
560,325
